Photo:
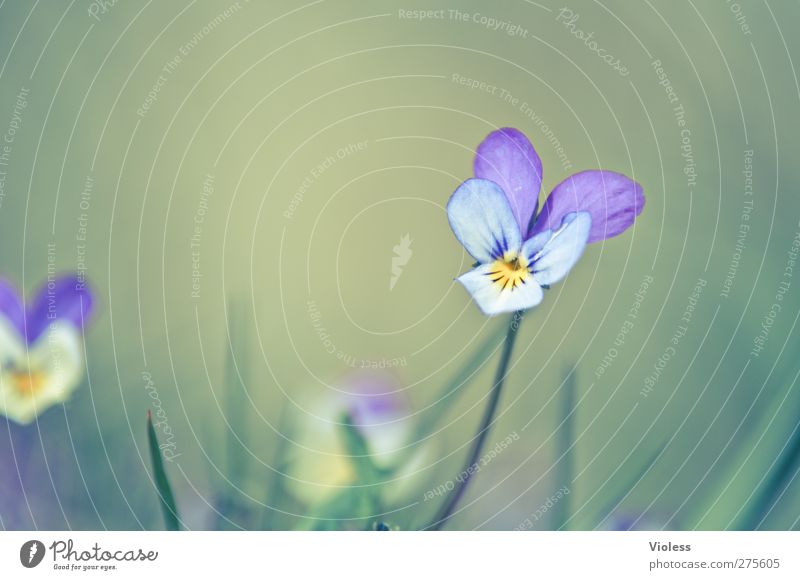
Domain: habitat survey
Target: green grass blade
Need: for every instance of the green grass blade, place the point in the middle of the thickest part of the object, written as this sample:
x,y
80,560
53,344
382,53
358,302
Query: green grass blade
x,y
236,363
358,451
773,487
368,475
276,483
232,514
768,431
171,519
565,444
449,394
632,482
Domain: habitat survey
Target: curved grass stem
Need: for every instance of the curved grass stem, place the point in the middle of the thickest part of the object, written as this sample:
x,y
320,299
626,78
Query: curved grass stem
x,y
450,504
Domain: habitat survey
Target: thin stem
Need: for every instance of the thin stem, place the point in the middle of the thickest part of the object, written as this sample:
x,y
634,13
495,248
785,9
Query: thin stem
x,y
449,395
452,500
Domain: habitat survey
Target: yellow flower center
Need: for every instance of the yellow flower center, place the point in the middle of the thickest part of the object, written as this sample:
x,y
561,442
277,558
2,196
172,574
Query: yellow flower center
x,y
509,272
27,383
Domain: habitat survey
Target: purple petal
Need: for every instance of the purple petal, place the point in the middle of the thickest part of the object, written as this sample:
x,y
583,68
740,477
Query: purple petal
x,y
11,306
374,398
613,199
508,158
67,299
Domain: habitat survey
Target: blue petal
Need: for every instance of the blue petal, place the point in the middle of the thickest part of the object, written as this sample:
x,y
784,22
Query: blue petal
x,y
492,300
561,250
482,220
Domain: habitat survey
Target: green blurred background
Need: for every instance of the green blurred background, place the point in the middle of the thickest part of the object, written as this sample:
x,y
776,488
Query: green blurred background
x,y
263,94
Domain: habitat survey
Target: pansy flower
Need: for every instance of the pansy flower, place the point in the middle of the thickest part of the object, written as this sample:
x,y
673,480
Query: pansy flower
x,y
378,409
519,252
41,346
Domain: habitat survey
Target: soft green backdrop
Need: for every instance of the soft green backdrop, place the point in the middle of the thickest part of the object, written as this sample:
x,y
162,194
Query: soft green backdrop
x,y
264,96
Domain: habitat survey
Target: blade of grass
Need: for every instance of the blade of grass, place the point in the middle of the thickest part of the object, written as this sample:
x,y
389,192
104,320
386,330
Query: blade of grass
x,y
368,475
627,488
236,359
358,452
564,450
765,428
231,513
171,519
449,394
276,486
773,487
357,501
451,502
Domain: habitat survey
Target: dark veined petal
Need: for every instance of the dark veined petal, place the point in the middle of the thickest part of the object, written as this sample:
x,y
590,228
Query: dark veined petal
x,y
507,157
482,220
490,296
561,251
612,199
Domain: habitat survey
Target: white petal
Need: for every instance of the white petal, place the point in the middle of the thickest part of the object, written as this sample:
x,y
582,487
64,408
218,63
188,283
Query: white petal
x,y
492,300
482,220
535,244
12,347
56,357
561,251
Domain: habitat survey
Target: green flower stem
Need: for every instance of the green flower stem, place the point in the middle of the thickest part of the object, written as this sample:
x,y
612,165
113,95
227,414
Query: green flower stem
x,y
455,386
455,496
449,394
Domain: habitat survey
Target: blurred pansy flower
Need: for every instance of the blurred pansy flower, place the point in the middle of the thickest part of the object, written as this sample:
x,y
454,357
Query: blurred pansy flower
x,y
320,464
41,346
519,252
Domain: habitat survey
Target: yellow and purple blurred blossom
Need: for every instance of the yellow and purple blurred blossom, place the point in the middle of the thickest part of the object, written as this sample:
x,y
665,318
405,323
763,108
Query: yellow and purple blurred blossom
x,y
41,345
378,409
